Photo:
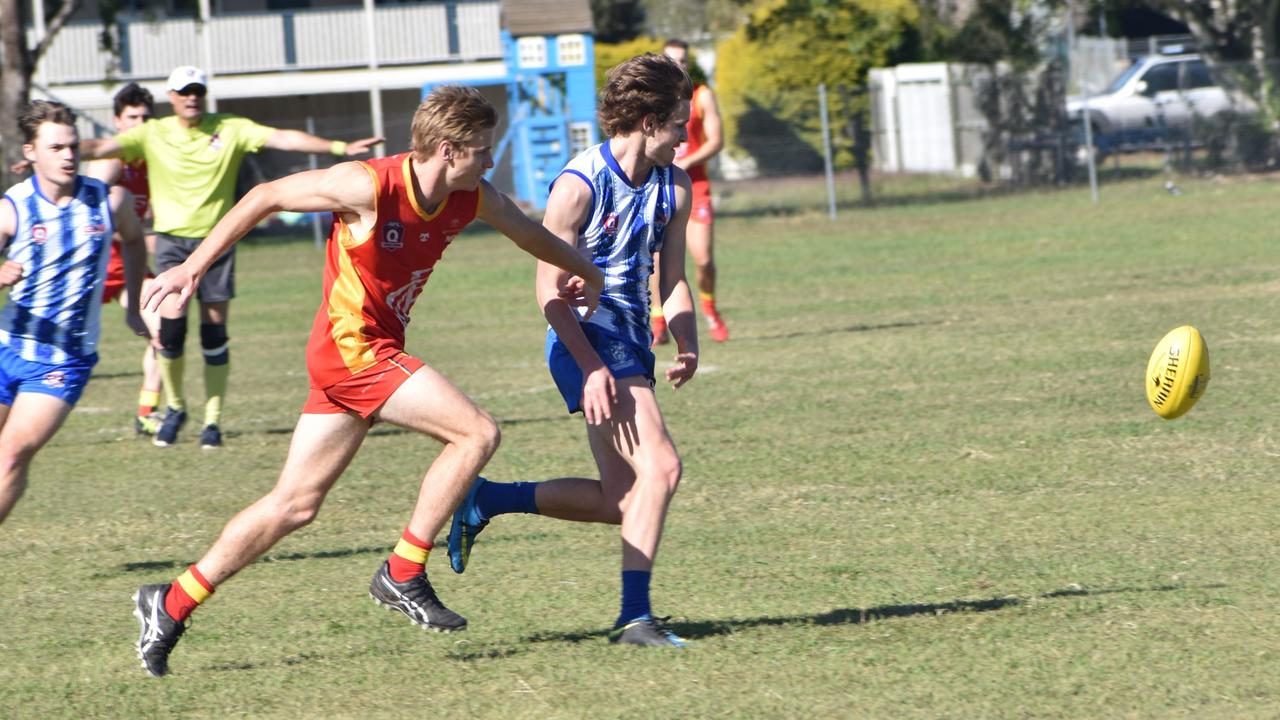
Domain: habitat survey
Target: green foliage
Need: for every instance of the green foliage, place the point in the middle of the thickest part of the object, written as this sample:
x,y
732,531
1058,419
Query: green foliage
x,y
610,54
768,72
617,20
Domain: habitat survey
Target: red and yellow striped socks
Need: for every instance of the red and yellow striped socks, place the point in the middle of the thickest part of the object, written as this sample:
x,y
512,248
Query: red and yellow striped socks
x,y
409,559
186,593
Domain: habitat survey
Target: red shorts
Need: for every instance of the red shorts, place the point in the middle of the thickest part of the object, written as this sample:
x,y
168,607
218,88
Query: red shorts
x,y
364,392
113,285
700,206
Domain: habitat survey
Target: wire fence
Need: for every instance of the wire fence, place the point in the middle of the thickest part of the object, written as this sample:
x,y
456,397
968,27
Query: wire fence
x,y
1161,116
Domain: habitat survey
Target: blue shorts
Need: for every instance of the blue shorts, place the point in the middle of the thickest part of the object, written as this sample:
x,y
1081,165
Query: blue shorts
x,y
65,380
623,358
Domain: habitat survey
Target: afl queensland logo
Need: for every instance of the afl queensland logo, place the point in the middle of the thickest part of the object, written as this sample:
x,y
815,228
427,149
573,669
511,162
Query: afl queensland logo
x,y
660,217
39,234
392,235
611,224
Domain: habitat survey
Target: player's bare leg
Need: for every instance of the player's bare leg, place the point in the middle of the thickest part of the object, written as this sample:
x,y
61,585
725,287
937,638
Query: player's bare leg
x,y
37,417
148,420
321,448
700,239
428,403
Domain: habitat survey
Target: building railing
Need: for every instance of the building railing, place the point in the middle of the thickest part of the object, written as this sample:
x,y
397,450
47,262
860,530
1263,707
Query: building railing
x,y
459,30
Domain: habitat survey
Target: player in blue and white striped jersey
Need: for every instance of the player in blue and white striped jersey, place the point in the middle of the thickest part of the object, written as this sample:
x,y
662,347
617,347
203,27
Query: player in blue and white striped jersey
x,y
618,203
55,229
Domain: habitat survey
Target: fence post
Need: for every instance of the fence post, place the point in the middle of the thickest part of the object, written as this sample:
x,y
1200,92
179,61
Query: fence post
x,y
311,163
826,151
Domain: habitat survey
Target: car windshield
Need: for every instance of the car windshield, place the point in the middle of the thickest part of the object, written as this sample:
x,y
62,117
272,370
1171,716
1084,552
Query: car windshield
x,y
1124,78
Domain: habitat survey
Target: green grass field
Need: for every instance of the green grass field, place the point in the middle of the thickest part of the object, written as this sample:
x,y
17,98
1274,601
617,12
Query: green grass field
x,y
921,481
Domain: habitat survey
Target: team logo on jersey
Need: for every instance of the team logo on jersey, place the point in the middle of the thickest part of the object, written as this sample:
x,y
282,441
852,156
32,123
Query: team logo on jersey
x,y
424,237
611,224
94,229
392,235
39,234
56,379
401,299
449,238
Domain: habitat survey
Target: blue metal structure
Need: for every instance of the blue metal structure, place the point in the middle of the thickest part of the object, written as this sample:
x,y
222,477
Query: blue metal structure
x,y
551,105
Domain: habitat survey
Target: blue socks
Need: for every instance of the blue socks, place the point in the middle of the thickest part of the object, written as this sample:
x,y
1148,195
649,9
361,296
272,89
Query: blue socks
x,y
501,498
635,596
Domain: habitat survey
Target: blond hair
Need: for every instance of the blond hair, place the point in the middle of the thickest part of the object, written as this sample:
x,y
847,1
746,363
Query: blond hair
x,y
452,113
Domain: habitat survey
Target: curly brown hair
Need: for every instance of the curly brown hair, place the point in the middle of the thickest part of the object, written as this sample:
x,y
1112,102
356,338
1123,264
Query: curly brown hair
x,y
451,112
645,84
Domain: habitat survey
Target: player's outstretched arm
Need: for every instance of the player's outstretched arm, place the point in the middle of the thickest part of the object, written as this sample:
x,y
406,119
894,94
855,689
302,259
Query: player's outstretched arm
x,y
95,148
567,210
133,250
108,170
345,188
299,141
498,210
673,289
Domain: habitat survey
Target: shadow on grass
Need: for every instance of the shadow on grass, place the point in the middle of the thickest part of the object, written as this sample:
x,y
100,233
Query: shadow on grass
x,y
840,616
149,565
859,328
175,564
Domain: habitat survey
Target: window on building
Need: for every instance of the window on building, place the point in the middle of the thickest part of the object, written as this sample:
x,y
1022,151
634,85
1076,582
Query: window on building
x,y
581,135
532,52
571,50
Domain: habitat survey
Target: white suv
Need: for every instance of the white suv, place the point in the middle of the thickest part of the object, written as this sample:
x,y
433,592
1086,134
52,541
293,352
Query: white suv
x,y
1156,100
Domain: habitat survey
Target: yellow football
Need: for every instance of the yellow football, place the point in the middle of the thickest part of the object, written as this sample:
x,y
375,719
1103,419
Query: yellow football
x,y
1178,372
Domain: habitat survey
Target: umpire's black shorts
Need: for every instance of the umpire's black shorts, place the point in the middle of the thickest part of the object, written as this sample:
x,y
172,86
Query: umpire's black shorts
x,y
217,285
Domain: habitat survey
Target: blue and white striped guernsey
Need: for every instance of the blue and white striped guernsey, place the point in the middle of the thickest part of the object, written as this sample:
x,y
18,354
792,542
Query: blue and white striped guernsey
x,y
626,226
54,312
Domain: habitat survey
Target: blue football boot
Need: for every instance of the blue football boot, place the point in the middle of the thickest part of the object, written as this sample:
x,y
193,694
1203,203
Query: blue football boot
x,y
467,524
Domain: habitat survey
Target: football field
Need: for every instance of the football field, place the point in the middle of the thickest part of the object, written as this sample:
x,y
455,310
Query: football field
x,y
921,480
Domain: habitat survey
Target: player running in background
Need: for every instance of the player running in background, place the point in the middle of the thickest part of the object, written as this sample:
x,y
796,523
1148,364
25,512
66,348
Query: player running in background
x,y
393,217
192,160
705,139
133,106
619,203
55,228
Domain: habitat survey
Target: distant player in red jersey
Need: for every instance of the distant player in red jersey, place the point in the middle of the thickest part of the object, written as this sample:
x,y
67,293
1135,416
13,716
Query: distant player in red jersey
x,y
706,138
393,218
134,105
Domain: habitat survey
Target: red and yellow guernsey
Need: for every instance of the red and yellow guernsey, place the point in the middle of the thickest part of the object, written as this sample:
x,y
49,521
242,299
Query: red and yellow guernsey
x,y
371,282
697,136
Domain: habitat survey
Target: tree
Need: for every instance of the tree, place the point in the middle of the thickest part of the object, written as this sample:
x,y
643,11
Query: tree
x,y
768,72
617,20
1240,41
17,63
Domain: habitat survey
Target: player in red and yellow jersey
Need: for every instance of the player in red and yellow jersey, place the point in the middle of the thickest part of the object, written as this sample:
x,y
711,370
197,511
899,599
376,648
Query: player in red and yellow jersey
x,y
134,105
392,220
706,138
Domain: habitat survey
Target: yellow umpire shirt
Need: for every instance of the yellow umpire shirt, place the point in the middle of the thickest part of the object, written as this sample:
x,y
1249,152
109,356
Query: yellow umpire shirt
x,y
191,172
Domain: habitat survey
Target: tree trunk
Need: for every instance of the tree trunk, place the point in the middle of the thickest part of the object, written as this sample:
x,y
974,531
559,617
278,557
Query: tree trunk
x,y
15,85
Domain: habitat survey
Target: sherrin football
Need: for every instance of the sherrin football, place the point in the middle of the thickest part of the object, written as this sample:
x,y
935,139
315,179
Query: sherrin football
x,y
1178,372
